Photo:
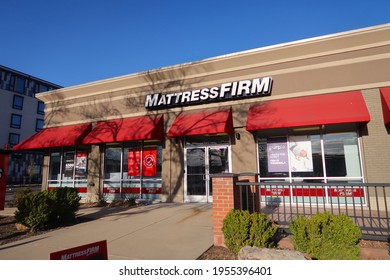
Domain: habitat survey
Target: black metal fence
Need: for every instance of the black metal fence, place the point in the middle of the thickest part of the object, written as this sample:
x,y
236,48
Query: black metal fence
x,y
367,204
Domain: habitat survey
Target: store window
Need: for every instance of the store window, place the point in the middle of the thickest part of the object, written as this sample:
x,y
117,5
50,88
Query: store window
x,y
133,170
322,157
69,168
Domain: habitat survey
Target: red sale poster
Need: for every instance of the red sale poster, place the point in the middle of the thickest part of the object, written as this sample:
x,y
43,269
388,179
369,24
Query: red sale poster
x,y
149,162
133,162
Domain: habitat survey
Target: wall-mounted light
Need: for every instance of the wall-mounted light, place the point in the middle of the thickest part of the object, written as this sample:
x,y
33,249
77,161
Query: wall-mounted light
x,y
238,136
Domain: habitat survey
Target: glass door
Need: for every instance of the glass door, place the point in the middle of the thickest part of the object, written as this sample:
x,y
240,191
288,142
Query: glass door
x,y
200,163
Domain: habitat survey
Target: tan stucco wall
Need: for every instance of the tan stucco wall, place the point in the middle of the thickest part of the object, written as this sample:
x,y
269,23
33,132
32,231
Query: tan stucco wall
x,y
173,171
356,60
376,142
342,62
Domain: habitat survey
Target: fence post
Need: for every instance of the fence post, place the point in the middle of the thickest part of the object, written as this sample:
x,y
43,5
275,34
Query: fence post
x,y
223,202
251,191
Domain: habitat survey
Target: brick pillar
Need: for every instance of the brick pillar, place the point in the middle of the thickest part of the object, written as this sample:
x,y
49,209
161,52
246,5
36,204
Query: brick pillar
x,y
223,202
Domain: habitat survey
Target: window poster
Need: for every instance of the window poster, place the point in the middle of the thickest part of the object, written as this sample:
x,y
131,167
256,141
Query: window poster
x,y
133,162
301,159
149,162
81,164
277,154
69,165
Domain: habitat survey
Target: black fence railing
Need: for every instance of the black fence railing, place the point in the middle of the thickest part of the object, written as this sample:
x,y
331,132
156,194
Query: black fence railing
x,y
367,204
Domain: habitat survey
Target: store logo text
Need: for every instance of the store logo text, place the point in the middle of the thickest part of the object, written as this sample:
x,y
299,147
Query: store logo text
x,y
225,92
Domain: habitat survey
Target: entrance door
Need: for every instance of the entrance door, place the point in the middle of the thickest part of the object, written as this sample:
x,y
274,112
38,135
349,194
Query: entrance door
x,y
200,163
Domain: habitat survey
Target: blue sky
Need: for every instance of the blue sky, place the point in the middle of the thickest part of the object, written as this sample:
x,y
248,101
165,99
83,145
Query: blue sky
x,y
70,42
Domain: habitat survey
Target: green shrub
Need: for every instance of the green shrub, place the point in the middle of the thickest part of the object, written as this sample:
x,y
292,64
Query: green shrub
x,y
32,210
64,203
47,208
235,228
262,231
326,236
240,229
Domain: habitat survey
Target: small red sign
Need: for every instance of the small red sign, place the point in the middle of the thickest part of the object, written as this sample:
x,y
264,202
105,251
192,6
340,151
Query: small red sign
x,y
3,178
92,251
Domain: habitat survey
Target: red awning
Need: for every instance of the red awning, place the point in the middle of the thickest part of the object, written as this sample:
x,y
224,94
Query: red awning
x,y
347,107
138,128
385,97
70,135
203,122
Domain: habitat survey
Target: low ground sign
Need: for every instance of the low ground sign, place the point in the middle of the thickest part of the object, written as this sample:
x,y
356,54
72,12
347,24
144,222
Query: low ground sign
x,y
92,251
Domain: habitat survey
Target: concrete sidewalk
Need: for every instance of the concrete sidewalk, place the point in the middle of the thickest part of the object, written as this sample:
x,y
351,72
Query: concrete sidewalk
x,y
162,231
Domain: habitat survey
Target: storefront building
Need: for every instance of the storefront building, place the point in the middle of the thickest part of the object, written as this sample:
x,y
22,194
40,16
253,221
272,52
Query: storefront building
x,y
314,110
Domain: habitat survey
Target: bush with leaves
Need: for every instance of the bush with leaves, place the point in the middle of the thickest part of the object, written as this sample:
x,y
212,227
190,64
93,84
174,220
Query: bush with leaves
x,y
241,228
326,236
64,202
47,208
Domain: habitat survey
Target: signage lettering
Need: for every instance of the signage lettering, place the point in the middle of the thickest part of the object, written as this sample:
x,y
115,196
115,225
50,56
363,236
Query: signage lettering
x,y
225,92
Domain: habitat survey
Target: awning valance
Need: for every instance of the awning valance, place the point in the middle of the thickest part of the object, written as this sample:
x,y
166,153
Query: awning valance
x,y
127,129
202,122
70,135
338,108
385,98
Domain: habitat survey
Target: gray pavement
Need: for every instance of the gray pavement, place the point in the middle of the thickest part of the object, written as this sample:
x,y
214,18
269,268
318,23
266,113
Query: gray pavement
x,y
165,231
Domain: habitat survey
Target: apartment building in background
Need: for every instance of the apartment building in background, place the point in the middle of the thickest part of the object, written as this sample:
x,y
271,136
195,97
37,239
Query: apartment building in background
x,y
22,115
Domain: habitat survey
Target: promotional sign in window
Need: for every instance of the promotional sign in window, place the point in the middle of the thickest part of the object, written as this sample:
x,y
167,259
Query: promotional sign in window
x,y
149,166
301,159
69,165
149,162
81,165
3,178
277,153
134,162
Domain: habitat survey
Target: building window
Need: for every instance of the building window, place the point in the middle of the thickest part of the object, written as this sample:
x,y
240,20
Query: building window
x,y
318,157
69,168
13,139
17,84
39,125
43,88
18,102
36,88
326,157
16,121
133,169
20,85
41,108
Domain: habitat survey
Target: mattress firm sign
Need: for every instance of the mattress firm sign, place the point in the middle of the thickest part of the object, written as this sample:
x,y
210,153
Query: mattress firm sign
x,y
225,92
